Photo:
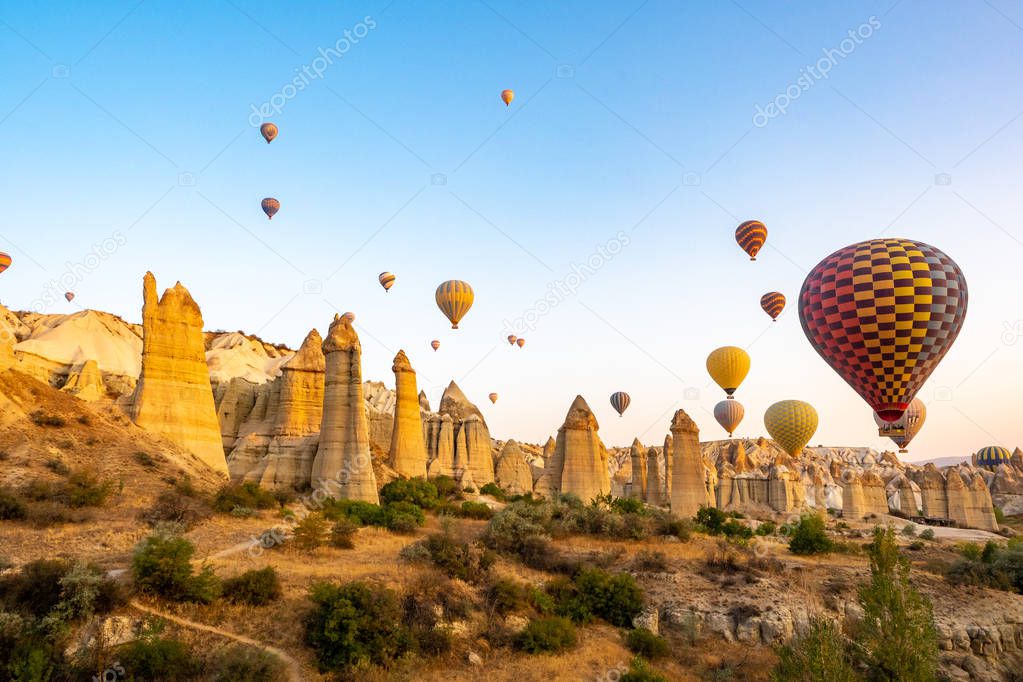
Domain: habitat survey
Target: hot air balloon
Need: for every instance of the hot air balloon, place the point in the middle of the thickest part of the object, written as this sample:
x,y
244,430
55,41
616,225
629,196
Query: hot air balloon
x,y
454,298
350,317
5,261
512,339
435,344
791,424
520,342
773,303
386,280
620,401
729,414
507,96
69,296
991,456
268,131
905,428
883,313
751,236
270,207
728,366
493,397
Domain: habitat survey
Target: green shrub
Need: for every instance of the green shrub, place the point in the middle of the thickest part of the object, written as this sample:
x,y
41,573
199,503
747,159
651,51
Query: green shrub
x,y
84,488
241,663
969,550
733,529
595,593
145,459
927,534
355,624
342,532
416,491
671,526
916,545
172,506
156,659
627,505
494,491
247,495
710,520
435,641
547,635
475,510
11,506
767,528
640,671
506,596
458,559
809,536
398,516
447,487
909,530
469,489
990,551
362,513
40,418
257,587
35,589
310,533
644,643
999,515
162,565
821,654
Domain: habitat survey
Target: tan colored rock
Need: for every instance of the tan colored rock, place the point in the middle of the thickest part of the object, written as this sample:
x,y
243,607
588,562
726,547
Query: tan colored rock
x,y
301,390
981,512
666,452
854,505
512,470
740,463
969,502
639,470
654,488
173,396
235,401
908,493
343,461
582,456
874,496
473,452
440,443
408,449
1017,459
932,491
548,450
424,402
688,485
785,490
85,382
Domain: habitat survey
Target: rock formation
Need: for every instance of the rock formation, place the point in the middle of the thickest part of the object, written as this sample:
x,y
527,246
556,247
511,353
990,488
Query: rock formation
x,y
582,457
424,402
548,451
512,470
85,382
908,494
873,493
639,470
969,502
932,492
173,396
408,449
439,432
343,461
666,453
654,489
473,454
688,487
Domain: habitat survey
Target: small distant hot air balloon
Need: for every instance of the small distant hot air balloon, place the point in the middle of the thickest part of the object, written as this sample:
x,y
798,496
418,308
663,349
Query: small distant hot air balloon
x,y
270,207
728,366
386,280
507,96
520,342
435,344
512,339
5,261
620,401
751,236
268,131
493,397
773,303
883,313
69,296
350,317
729,414
905,428
454,298
791,424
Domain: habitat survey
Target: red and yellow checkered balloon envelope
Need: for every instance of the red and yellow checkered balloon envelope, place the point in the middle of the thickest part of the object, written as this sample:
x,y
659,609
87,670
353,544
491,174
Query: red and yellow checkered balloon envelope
x,y
883,313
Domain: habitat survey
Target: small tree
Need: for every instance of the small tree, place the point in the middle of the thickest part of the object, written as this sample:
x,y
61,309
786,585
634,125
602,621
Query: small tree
x,y
820,654
896,638
809,537
311,532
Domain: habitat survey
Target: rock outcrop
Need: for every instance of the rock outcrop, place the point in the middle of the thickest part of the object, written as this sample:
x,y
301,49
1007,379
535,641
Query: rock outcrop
x,y
969,502
639,470
654,488
343,461
688,480
473,453
439,431
548,450
85,382
582,457
408,449
932,492
512,470
666,453
173,397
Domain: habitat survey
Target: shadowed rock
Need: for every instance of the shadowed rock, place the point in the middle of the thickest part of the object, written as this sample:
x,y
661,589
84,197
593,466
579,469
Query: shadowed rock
x,y
582,457
408,449
512,470
688,479
639,470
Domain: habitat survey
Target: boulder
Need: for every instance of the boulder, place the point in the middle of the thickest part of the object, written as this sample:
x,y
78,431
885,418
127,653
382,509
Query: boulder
x,y
408,448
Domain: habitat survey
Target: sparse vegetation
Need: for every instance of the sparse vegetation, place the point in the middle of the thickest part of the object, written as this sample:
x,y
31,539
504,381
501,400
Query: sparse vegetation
x,y
644,643
650,561
41,418
162,566
342,534
810,537
640,671
241,663
159,659
993,566
246,495
821,654
257,587
547,635
416,491
172,506
927,534
457,559
11,506
311,532
145,459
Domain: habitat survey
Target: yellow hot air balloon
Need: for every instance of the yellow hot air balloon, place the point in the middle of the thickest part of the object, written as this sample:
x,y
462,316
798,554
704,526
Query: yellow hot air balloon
x,y
791,424
728,366
5,261
454,298
493,397
507,96
268,131
386,280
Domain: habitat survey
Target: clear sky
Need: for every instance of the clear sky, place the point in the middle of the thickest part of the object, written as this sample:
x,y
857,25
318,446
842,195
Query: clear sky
x,y
128,145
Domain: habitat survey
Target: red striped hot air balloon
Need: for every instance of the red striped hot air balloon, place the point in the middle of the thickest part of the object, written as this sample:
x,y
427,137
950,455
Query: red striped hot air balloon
x,y
268,131
270,207
883,313
751,236
69,296
386,280
435,344
454,298
507,96
5,261
620,401
773,303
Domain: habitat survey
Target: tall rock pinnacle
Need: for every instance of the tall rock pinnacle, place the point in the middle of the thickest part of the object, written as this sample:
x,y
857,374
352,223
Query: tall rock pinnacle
x,y
688,486
580,455
408,449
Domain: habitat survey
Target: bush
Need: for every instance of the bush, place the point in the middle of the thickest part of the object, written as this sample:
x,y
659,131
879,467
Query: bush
x,y
11,506
171,506
595,593
494,491
156,659
40,418
909,530
999,515
35,589
162,565
927,534
767,528
969,550
257,587
710,520
85,489
355,624
644,643
640,671
547,635
505,596
820,654
146,460
248,495
672,526
241,663
896,638
403,517
447,487
310,533
362,513
650,561
458,559
416,491
475,510
342,532
733,529
997,568
809,537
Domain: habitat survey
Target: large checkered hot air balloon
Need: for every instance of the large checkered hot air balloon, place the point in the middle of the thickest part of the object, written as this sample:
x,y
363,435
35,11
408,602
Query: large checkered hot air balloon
x,y
883,313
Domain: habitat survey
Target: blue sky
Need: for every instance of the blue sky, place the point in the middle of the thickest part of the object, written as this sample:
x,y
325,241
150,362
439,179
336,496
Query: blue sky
x,y
633,122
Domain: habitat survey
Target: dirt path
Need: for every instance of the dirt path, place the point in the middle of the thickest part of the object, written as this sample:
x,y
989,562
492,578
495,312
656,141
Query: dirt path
x,y
294,669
